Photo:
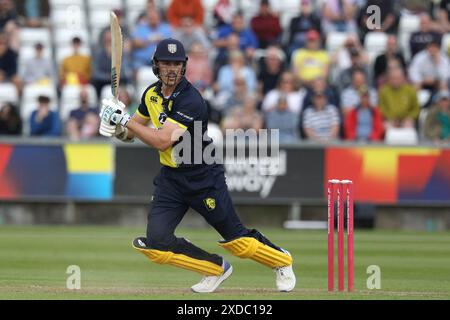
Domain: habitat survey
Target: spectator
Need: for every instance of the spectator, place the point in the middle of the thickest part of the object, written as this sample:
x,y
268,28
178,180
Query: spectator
x,y
398,101
43,121
76,68
342,57
198,70
338,15
44,73
311,62
350,95
420,39
34,12
188,33
321,121
244,116
247,39
271,68
430,68
300,25
389,17
288,89
101,65
146,36
437,121
393,57
9,24
227,100
282,118
10,121
236,68
444,16
83,122
223,55
8,63
223,12
179,9
364,122
357,63
321,85
266,25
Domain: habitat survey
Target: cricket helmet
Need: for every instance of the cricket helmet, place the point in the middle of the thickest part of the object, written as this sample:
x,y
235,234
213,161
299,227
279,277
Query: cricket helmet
x,y
169,50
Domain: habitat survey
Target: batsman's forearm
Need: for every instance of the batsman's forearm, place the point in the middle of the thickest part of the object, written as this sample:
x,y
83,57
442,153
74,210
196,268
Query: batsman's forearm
x,y
147,135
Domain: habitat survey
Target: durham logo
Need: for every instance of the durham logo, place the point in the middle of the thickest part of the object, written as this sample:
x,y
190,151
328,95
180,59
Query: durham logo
x,y
172,47
210,204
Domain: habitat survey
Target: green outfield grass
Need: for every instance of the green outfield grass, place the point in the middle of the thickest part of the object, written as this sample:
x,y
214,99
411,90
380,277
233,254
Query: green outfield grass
x,y
33,263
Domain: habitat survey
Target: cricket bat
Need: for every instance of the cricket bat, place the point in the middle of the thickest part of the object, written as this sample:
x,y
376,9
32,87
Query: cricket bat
x,y
116,55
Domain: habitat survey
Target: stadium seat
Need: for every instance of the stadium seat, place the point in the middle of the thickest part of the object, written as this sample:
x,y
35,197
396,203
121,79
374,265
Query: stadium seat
x,y
401,136
70,99
31,36
30,95
138,4
145,77
58,4
104,4
98,19
64,37
8,93
334,41
423,96
67,18
208,5
375,44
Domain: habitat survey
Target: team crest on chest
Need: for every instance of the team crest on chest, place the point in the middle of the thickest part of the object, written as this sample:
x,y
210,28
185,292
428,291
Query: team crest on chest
x,y
172,47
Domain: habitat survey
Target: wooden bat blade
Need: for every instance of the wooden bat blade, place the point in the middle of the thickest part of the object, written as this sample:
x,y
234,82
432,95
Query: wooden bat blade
x,y
116,54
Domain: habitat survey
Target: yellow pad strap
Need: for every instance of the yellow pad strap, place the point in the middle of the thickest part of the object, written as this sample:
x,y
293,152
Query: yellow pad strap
x,y
204,267
248,247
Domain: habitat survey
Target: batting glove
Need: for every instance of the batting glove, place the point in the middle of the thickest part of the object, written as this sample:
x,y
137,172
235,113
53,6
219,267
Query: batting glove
x,y
109,108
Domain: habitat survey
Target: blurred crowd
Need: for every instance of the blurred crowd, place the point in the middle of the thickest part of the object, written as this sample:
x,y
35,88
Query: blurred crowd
x,y
252,71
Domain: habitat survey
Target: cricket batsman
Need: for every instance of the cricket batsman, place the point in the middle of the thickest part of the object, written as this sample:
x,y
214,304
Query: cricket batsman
x,y
173,105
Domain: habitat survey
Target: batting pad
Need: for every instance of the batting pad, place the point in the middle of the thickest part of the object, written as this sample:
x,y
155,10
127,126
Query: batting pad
x,y
180,260
247,247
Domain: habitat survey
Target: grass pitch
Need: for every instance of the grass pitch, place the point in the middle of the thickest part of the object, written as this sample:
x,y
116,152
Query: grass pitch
x,y
34,260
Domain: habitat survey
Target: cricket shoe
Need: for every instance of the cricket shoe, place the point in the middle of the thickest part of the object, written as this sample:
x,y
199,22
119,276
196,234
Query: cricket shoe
x,y
285,277
211,283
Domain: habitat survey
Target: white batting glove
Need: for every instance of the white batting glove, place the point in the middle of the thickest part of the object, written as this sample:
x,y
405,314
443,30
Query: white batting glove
x,y
106,128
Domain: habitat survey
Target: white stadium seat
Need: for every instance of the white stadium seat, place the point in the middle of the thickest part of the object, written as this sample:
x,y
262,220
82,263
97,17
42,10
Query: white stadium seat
x,y
30,95
31,36
407,25
401,136
375,44
335,40
445,46
58,4
8,93
145,77
208,5
139,4
70,99
423,96
68,18
64,36
104,4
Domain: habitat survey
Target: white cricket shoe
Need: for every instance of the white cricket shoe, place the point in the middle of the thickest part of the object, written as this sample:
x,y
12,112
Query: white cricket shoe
x,y
211,283
285,277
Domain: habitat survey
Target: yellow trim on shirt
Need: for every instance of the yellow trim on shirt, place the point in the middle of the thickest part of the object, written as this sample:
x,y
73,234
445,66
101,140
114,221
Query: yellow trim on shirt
x,y
182,126
141,115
